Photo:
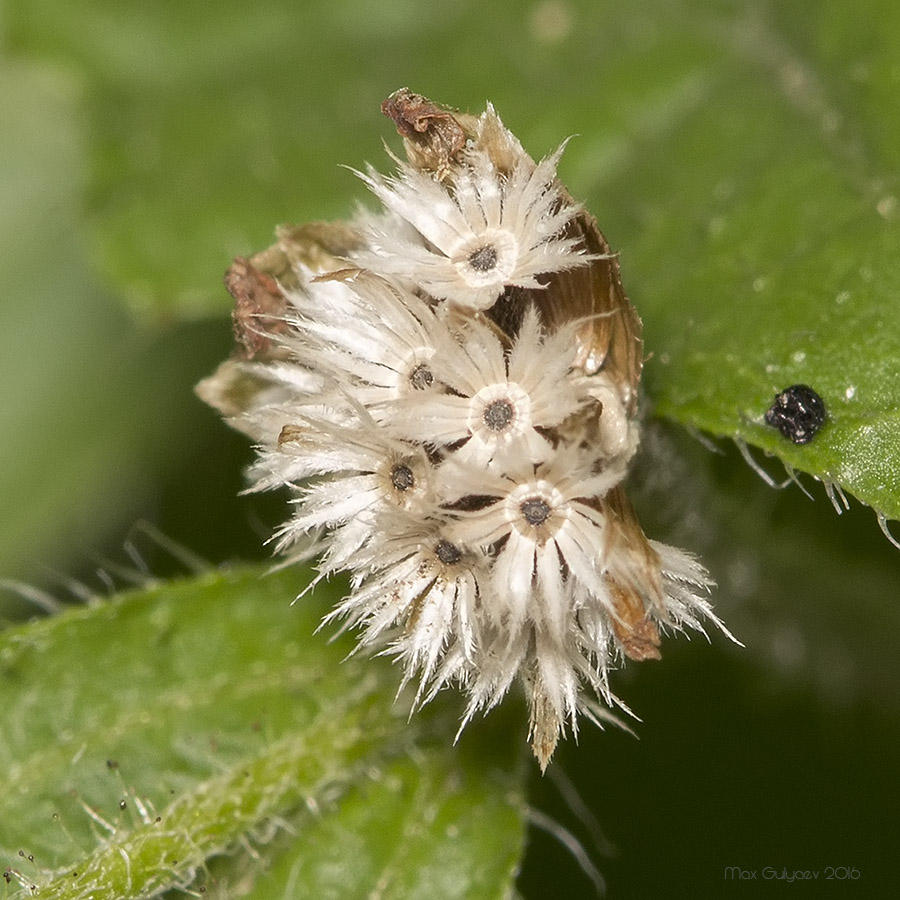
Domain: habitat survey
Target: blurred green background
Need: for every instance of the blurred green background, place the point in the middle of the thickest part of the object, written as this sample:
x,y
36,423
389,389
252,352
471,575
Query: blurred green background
x,y
143,145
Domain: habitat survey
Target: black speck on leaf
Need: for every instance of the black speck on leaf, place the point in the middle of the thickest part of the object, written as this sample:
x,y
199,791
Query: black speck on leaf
x,y
798,412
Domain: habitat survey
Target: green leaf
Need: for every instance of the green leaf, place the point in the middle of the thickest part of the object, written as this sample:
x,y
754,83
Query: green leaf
x,y
144,736
743,157
762,246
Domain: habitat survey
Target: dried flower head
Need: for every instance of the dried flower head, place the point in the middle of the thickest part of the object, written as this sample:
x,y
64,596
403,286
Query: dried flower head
x,y
449,386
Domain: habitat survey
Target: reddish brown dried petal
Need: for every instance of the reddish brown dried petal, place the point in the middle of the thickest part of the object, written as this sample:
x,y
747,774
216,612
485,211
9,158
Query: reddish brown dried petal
x,y
258,284
259,307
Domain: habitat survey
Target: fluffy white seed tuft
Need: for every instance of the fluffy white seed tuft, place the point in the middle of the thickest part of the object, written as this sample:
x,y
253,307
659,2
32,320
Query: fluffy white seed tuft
x,y
447,387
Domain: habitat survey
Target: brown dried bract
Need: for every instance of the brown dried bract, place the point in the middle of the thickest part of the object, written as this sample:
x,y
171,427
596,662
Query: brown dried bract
x,y
259,307
545,726
432,134
258,284
630,584
291,433
636,631
320,246
611,338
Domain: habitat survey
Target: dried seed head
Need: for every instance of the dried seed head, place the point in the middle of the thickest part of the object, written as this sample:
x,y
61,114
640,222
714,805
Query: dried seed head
x,y
450,386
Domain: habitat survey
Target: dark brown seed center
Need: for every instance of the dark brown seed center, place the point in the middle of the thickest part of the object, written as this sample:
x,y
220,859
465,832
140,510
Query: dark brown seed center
x,y
535,510
484,259
498,414
447,553
421,377
402,477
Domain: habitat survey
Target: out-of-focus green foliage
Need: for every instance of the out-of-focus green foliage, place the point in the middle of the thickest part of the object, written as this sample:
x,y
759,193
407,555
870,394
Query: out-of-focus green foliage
x,y
92,406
